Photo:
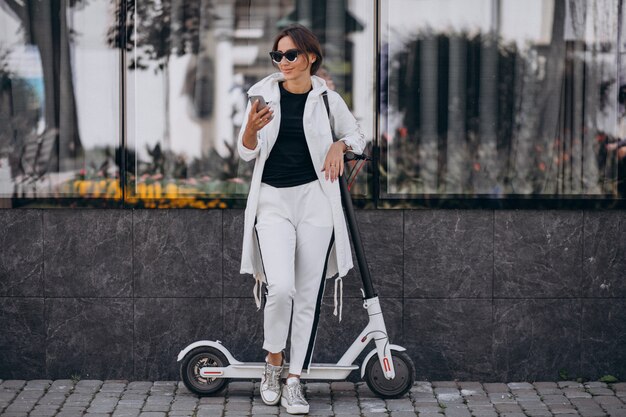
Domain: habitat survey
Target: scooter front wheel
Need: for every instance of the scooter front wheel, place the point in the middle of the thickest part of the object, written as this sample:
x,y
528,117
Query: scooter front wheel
x,y
197,359
390,388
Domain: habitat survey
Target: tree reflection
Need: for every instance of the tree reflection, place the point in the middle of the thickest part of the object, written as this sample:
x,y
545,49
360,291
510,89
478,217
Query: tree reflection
x,y
44,25
482,116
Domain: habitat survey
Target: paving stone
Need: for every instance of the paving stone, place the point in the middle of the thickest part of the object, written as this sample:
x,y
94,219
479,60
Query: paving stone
x,y
7,395
608,400
448,398
156,408
375,413
139,385
569,384
472,392
545,384
562,409
125,413
30,394
130,403
210,407
520,385
444,384
183,405
476,385
525,394
457,411
481,408
591,412
430,409
478,400
264,409
209,413
38,384
100,410
576,393
422,386
158,399
555,399
496,388
73,409
600,391
130,396
43,413
538,412
508,408
56,395
595,384
152,414
399,405
89,383
342,386
45,407
69,414
352,410
585,403
20,408
499,398
61,385
212,400
13,384
533,405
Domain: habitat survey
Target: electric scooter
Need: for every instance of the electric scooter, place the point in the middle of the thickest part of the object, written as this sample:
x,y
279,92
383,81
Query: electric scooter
x,y
207,366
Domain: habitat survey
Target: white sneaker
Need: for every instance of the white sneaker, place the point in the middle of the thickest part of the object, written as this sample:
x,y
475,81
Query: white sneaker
x,y
270,382
293,398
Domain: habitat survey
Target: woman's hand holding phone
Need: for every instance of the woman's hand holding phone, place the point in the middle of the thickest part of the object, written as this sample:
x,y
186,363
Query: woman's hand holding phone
x,y
260,115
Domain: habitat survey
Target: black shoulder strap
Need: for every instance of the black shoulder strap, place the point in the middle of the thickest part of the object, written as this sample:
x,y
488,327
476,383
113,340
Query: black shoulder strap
x,y
325,97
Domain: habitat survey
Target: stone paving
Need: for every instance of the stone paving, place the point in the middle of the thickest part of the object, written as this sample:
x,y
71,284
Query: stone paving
x,y
93,398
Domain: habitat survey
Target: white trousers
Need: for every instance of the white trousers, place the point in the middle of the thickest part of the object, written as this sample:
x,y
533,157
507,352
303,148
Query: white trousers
x,y
294,227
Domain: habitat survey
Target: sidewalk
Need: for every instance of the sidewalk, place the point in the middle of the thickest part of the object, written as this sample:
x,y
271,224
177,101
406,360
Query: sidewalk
x,y
66,398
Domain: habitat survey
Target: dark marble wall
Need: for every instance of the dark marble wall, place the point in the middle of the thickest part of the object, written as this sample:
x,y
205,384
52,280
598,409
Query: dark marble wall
x,y
472,294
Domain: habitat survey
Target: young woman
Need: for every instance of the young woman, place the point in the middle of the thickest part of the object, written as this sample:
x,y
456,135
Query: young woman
x,y
295,234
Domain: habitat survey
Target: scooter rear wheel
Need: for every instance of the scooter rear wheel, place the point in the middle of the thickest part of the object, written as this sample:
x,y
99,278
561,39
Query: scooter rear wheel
x,y
390,388
190,370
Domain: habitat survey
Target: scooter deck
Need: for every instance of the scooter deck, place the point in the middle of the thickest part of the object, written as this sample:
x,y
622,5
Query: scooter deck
x,y
255,370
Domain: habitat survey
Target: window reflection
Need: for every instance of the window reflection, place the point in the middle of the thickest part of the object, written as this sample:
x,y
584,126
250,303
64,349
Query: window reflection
x,y
190,66
499,98
59,95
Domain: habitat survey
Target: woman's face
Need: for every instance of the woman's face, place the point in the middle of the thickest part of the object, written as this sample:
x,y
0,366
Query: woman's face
x,y
294,70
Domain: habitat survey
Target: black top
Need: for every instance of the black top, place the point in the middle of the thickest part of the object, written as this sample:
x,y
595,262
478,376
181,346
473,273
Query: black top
x,y
289,163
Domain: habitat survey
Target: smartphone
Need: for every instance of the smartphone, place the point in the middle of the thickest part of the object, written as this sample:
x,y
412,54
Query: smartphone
x,y
262,104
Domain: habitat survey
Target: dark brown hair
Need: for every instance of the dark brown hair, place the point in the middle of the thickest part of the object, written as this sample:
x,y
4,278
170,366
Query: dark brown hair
x,y
305,41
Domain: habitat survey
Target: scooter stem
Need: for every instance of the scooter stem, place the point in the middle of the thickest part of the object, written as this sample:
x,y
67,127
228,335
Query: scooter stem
x,y
368,288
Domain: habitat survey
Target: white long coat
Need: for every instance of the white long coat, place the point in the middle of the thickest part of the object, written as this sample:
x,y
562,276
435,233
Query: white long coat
x,y
319,138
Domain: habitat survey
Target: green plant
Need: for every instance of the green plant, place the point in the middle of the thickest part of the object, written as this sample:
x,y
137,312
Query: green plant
x,y
608,379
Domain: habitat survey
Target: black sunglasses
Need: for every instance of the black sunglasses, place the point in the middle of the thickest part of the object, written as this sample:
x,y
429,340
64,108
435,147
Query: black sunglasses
x,y
291,55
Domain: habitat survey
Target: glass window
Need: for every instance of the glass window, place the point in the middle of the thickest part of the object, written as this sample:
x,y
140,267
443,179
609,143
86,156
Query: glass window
x,y
500,98
189,66
59,101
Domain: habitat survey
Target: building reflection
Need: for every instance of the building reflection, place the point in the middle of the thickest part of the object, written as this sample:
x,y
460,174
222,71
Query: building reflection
x,y
141,101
